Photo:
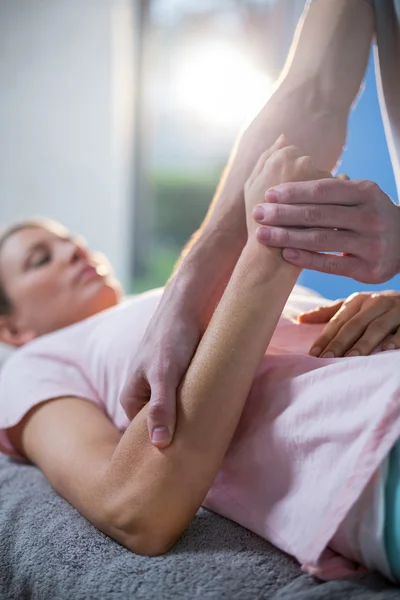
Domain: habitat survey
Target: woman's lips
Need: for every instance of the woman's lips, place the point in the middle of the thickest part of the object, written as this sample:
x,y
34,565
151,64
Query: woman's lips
x,y
87,273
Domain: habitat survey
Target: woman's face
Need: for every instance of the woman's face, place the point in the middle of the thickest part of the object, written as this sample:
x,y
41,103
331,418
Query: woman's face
x,y
52,280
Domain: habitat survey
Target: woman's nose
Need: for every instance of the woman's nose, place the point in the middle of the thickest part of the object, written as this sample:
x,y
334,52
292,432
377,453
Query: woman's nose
x,y
74,251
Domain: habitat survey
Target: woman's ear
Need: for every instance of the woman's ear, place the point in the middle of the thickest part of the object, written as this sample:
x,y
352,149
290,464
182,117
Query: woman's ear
x,y
13,335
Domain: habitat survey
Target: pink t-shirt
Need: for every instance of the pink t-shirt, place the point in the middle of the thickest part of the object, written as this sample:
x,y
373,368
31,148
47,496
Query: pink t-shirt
x,y
311,437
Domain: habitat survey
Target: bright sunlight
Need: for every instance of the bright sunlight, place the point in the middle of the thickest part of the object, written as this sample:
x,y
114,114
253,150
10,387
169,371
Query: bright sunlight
x,y
220,85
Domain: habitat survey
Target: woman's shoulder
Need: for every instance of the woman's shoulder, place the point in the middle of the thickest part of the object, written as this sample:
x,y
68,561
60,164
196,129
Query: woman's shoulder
x,y
69,341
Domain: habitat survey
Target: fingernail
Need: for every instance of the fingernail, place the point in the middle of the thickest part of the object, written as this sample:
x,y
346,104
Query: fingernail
x,y
328,355
390,346
160,434
315,351
271,195
353,353
290,253
258,213
264,234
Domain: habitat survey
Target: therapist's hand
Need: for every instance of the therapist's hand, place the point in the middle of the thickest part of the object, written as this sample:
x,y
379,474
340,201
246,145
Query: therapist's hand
x,y
356,326
167,348
355,218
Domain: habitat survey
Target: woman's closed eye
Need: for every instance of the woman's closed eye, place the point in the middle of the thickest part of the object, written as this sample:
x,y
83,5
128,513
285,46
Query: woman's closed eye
x,y
38,258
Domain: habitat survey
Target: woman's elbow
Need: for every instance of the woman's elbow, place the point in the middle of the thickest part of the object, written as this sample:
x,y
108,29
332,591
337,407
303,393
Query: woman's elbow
x,y
151,545
136,534
145,543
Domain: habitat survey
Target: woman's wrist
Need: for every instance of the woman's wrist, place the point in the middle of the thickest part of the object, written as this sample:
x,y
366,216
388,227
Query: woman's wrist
x,y
267,263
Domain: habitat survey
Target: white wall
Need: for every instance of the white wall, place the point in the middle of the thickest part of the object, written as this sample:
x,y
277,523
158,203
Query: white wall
x,y
66,96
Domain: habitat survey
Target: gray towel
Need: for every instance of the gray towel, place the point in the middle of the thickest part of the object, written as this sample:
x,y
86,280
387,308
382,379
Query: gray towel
x,y
49,552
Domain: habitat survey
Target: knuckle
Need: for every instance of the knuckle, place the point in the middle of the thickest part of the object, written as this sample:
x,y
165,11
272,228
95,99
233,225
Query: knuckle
x,y
278,213
291,150
312,214
276,159
385,302
376,328
332,266
157,410
305,163
368,188
319,190
356,297
286,154
340,316
283,236
320,239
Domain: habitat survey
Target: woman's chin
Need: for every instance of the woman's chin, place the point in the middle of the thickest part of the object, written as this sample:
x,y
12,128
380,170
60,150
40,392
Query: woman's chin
x,y
108,296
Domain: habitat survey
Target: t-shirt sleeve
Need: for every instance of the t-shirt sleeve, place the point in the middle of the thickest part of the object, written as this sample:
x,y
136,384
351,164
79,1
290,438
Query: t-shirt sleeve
x,y
29,378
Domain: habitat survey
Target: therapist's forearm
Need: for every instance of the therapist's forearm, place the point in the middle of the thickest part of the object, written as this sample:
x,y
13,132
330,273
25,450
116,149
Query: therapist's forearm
x,y
311,105
208,260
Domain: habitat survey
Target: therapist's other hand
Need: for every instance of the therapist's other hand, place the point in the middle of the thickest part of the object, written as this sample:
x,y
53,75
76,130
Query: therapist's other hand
x,y
164,356
355,218
356,326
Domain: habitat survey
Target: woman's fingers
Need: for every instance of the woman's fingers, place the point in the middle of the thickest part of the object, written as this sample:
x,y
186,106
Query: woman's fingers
x,y
279,143
321,314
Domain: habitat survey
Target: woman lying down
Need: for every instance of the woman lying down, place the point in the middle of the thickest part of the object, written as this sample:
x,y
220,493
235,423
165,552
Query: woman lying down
x,y
300,449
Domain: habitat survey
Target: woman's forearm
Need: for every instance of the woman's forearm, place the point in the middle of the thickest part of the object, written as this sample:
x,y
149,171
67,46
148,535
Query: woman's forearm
x,y
156,493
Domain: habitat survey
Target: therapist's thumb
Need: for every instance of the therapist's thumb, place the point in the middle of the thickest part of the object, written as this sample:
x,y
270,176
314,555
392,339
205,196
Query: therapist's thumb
x,y
161,418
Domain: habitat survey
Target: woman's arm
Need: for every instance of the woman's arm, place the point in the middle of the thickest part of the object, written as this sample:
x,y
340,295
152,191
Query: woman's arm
x,y
142,496
156,493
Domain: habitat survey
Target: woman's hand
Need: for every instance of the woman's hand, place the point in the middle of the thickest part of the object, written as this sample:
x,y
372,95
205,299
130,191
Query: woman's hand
x,y
279,164
356,326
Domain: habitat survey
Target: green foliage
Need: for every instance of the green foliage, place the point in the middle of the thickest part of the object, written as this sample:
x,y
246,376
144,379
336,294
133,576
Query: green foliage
x,y
161,263
181,203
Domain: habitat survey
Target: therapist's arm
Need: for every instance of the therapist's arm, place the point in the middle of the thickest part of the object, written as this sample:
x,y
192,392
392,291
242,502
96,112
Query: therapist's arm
x,y
310,106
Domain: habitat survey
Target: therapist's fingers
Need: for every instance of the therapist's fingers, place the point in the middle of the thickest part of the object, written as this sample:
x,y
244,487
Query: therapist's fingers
x,y
320,314
348,266
362,332
343,177
331,330
321,191
307,215
377,331
313,239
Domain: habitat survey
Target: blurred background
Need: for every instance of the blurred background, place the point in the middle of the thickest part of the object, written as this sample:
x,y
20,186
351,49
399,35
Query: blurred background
x,y
117,117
